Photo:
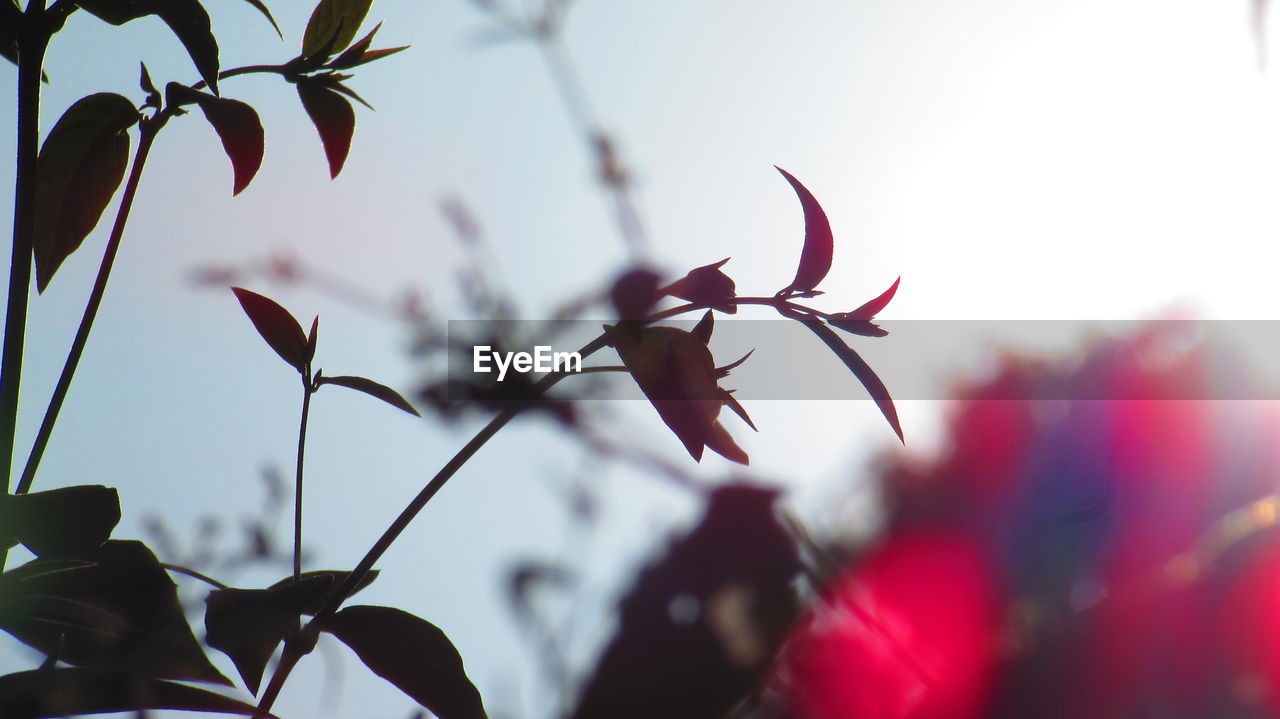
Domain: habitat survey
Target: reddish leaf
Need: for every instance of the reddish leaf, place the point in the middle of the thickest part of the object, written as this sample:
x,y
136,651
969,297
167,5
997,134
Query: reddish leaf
x,y
372,55
351,56
59,692
333,24
873,308
707,285
866,328
722,372
312,337
634,293
373,389
70,521
276,326
412,654
240,130
732,403
860,369
815,258
81,164
333,117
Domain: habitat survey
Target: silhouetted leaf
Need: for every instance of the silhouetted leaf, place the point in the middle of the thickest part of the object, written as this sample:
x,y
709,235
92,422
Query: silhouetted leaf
x,y
704,328
701,623
732,403
860,369
241,133
722,372
186,18
10,22
70,521
247,624
873,308
144,80
312,338
81,164
707,285
333,117
371,55
865,328
333,23
412,654
815,258
262,8
335,579
351,56
677,373
276,326
373,389
117,609
58,692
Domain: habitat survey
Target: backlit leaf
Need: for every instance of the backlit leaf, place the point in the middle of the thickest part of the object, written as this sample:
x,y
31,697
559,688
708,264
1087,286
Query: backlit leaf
x,y
333,23
873,308
333,117
707,285
118,608
373,389
371,55
69,521
860,369
815,258
276,326
81,164
412,654
241,133
58,692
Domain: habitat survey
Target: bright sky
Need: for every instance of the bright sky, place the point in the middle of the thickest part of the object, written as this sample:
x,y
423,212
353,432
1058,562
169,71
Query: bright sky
x,y
1030,159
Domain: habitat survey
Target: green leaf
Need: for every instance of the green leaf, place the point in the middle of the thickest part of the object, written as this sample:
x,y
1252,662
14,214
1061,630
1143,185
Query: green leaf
x,y
412,654
186,18
240,130
373,389
118,609
70,521
276,326
62,692
333,25
248,624
81,164
333,117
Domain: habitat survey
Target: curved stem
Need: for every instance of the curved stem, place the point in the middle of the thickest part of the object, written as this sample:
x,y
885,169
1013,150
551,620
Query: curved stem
x,y
179,569
147,134
292,652
246,70
307,391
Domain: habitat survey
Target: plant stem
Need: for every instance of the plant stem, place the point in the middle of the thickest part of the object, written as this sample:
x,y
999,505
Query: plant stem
x,y
289,658
307,390
33,41
179,569
146,136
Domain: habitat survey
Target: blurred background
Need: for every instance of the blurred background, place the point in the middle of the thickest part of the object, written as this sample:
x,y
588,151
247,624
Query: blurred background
x,y
1009,159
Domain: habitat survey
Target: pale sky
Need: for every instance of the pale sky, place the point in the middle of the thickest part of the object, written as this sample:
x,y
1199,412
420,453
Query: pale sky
x,y
1011,159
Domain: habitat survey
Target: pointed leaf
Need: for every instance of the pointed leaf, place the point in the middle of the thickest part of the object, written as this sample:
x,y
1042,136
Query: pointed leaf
x,y
81,164
372,55
722,372
336,580
412,654
873,308
815,258
351,55
860,369
248,624
865,328
59,692
70,521
705,326
707,285
241,133
312,337
262,8
334,120
732,403
333,23
276,326
118,609
145,82
373,389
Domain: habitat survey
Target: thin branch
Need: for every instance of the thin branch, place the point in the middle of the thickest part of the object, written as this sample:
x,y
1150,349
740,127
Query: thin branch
x,y
179,569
